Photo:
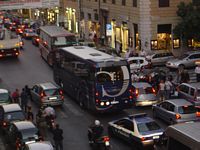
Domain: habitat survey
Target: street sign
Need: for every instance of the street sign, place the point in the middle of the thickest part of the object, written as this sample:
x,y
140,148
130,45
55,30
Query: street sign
x,y
108,30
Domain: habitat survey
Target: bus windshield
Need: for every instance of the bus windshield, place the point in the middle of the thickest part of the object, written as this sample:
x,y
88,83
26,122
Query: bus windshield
x,y
65,40
112,74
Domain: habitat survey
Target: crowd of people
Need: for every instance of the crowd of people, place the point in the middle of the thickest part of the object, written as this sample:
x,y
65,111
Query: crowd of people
x,y
42,118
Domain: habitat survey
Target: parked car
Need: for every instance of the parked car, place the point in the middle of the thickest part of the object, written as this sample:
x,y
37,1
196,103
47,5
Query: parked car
x,y
176,111
139,130
21,133
28,33
47,94
137,63
10,113
159,58
185,61
190,92
35,40
20,29
5,97
42,145
145,94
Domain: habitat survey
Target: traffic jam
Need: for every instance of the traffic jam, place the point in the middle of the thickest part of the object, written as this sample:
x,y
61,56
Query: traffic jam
x,y
100,81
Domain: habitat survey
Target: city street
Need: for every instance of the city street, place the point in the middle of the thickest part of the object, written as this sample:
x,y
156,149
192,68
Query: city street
x,y
31,69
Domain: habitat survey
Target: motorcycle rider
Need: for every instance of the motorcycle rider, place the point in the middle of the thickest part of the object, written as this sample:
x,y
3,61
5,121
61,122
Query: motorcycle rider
x,y
95,131
49,114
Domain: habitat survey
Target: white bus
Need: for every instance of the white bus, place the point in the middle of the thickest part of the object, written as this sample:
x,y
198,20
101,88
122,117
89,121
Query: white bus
x,y
52,38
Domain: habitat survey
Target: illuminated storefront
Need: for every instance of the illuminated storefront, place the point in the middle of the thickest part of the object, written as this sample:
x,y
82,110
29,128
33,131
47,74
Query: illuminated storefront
x,y
71,23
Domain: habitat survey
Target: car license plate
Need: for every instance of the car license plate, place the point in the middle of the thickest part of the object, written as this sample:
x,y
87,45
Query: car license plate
x,y
8,54
52,98
107,143
155,137
114,102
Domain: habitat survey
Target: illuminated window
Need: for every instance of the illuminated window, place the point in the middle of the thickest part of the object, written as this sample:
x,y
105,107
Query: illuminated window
x,y
176,43
154,44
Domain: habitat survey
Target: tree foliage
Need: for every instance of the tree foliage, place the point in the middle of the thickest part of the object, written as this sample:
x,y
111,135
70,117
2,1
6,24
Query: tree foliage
x,y
189,26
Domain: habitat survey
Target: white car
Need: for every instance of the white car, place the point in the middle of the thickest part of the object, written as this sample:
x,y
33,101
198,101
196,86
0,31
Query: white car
x,y
138,63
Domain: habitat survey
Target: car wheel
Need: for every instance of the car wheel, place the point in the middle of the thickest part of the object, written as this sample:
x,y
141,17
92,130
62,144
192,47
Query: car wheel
x,y
181,66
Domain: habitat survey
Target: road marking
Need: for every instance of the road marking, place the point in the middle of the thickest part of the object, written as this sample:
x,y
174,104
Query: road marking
x,y
72,109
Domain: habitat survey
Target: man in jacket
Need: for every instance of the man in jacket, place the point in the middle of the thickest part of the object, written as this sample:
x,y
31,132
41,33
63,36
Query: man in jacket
x,y
58,137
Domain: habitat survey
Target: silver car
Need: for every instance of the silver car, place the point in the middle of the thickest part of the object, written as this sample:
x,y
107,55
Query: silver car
x,y
47,94
144,94
176,111
159,58
42,145
185,61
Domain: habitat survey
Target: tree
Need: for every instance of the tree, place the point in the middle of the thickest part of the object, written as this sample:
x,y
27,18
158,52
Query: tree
x,y
189,26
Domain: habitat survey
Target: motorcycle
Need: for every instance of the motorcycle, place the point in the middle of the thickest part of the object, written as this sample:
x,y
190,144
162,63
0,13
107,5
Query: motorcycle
x,y
100,143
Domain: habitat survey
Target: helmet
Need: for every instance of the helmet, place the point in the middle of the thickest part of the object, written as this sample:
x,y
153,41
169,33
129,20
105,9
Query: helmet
x,y
97,122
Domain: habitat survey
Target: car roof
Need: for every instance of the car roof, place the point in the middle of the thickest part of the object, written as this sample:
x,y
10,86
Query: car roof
x,y
195,85
3,91
141,84
43,145
135,58
179,102
192,52
22,125
48,85
11,107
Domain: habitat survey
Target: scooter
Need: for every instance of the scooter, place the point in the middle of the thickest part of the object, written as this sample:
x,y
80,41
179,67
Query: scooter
x,y
102,143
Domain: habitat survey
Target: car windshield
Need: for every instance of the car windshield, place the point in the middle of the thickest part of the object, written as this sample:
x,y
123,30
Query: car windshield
x,y
30,134
51,92
16,115
4,96
66,40
148,126
147,90
183,56
187,109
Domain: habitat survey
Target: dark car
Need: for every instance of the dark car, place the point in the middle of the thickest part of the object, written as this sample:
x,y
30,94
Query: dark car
x,y
20,29
139,130
47,94
35,40
13,26
10,113
21,133
28,33
5,97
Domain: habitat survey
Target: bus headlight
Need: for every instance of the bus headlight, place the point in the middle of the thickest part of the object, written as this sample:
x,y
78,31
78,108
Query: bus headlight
x,y
107,103
102,103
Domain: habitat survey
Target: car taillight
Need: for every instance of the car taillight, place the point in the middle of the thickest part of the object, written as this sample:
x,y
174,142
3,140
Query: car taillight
x,y
97,101
178,116
1,55
106,139
10,28
16,54
143,138
61,92
136,92
97,94
4,124
37,40
198,114
42,94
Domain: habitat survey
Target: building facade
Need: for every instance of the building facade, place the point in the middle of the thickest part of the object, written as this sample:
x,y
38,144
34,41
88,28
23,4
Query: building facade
x,y
139,24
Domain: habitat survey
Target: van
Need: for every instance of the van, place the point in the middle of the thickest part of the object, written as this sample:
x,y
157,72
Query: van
x,y
183,136
190,92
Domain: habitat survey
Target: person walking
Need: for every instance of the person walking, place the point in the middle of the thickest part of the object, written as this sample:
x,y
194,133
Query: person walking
x,y
15,96
168,88
30,115
197,71
41,123
162,90
28,92
58,137
24,100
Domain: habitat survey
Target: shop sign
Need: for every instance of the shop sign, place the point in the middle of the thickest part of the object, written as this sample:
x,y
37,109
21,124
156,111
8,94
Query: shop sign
x,y
108,30
27,4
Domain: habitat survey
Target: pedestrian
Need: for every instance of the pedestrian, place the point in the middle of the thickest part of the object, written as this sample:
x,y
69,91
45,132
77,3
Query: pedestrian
x,y
24,100
15,96
41,123
162,90
168,88
197,71
30,115
28,92
58,137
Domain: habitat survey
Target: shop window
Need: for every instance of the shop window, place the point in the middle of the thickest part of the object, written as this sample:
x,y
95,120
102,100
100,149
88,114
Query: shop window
x,y
196,2
96,16
176,43
113,1
154,44
104,1
164,36
134,3
163,3
123,2
89,16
